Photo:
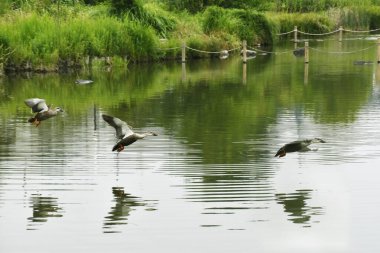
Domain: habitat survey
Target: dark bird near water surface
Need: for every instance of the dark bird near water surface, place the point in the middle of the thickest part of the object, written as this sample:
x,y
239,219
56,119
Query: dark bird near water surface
x,y
42,110
300,146
124,133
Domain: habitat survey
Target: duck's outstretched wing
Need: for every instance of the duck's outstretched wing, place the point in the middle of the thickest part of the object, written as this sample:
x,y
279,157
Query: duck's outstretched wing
x,y
121,127
37,104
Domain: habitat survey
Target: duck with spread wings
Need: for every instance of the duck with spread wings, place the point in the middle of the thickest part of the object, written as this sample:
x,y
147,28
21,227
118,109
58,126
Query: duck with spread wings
x,y
124,132
297,146
42,110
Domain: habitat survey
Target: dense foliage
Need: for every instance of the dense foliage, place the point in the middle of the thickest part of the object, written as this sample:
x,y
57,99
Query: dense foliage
x,y
60,34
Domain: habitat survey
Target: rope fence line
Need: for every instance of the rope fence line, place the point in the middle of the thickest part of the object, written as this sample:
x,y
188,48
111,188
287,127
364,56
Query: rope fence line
x,y
213,52
353,31
318,34
201,51
252,51
342,52
234,49
170,48
295,30
285,33
270,52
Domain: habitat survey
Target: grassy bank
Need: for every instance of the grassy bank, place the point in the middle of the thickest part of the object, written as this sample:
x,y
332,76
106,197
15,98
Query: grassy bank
x,y
58,38
51,40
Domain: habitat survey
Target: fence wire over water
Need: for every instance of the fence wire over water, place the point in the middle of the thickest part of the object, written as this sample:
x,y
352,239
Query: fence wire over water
x,y
223,53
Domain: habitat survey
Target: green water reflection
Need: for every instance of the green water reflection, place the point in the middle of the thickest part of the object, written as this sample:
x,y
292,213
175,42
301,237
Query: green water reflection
x,y
211,171
211,106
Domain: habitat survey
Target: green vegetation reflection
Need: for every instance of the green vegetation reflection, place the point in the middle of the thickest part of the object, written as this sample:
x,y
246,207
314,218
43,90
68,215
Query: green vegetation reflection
x,y
211,107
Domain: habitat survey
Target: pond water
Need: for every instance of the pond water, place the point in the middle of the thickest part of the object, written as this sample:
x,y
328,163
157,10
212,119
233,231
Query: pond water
x,y
209,182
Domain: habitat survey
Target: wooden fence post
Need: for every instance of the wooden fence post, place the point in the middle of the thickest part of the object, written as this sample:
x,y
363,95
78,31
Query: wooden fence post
x,y
378,50
340,34
244,51
295,34
183,52
306,52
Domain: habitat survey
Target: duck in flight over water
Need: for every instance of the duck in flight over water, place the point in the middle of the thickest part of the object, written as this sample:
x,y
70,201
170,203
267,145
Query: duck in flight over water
x,y
300,146
124,132
42,110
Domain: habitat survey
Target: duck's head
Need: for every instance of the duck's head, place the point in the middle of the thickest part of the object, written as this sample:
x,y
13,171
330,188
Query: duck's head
x,y
281,152
59,109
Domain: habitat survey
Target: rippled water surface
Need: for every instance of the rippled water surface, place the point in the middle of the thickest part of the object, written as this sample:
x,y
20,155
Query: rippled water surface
x,y
209,182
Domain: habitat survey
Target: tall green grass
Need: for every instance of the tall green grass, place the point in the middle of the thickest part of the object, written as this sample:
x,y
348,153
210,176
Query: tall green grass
x,y
354,17
154,15
36,34
307,22
320,5
247,25
43,39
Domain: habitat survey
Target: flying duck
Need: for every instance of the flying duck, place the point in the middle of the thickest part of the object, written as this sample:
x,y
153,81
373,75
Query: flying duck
x,y
42,110
124,132
295,146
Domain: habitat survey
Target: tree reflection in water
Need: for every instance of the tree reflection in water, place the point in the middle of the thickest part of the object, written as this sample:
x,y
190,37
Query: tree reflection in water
x,y
296,206
124,204
43,208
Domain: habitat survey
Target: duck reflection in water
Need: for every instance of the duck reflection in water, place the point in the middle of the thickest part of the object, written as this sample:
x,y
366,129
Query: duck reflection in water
x,y
44,208
298,146
296,206
124,204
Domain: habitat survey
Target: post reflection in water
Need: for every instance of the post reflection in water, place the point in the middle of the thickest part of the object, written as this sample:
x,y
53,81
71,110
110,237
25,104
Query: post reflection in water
x,y
183,73
295,205
43,208
306,74
244,78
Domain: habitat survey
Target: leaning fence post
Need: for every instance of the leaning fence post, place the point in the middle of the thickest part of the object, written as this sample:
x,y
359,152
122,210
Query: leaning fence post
x,y
378,50
244,51
183,52
306,52
295,35
340,34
